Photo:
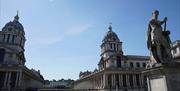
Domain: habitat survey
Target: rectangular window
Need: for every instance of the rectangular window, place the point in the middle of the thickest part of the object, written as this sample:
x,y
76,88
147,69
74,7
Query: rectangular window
x,y
131,64
144,65
118,61
137,64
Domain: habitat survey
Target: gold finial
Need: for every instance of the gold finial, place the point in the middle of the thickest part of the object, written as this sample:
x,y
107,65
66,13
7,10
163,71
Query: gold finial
x,y
17,16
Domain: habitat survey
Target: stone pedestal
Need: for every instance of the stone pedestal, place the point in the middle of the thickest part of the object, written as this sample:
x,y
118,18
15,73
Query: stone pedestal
x,y
163,78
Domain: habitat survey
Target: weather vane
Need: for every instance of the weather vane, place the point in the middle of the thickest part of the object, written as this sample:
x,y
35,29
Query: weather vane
x,y
110,24
17,12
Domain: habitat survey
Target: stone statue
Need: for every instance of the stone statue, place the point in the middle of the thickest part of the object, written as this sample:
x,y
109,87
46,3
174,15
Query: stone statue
x,y
158,41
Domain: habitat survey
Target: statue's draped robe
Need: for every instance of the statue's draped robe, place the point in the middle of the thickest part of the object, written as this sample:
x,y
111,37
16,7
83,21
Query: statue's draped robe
x,y
157,42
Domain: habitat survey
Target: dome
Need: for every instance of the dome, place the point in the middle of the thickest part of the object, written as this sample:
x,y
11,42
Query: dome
x,y
110,36
14,25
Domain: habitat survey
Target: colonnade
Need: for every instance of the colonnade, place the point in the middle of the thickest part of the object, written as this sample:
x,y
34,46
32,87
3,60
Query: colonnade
x,y
118,80
7,81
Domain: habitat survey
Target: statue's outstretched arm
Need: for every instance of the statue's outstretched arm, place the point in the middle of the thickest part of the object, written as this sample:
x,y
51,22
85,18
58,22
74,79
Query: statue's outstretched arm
x,y
165,19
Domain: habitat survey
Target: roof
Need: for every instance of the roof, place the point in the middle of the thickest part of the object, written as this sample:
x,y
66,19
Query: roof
x,y
14,25
110,35
136,57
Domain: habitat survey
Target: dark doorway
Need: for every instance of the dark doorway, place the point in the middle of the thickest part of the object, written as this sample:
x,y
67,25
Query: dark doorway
x,y
2,53
119,61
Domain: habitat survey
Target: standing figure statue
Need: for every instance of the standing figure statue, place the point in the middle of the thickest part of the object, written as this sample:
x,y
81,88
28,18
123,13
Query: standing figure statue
x,y
158,41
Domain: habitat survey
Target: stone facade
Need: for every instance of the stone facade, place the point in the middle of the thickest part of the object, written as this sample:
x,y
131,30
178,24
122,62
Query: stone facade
x,y
116,71
14,75
163,78
176,50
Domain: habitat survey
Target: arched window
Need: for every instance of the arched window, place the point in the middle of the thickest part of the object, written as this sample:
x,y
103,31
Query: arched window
x,y
114,45
20,42
13,38
4,37
117,47
8,38
111,45
2,53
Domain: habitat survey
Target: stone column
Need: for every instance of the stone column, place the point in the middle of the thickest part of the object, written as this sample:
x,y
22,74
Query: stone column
x,y
134,80
101,81
98,81
9,80
106,80
140,79
120,80
17,79
20,79
93,79
127,80
95,82
149,84
5,80
112,80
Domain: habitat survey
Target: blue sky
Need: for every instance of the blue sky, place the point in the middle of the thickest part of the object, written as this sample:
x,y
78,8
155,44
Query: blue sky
x,y
64,36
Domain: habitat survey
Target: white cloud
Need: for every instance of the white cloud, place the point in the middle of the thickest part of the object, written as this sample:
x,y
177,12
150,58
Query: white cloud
x,y
51,40
53,37
45,40
78,29
51,0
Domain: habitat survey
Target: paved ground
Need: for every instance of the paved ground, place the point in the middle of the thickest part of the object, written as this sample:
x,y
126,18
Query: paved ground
x,y
65,90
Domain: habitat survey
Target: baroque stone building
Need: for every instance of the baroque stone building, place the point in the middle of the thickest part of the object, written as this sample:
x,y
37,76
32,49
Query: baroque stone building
x,y
116,71
14,75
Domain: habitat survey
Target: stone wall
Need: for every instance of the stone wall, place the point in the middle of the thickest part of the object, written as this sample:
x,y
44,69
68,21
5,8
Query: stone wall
x,y
84,85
